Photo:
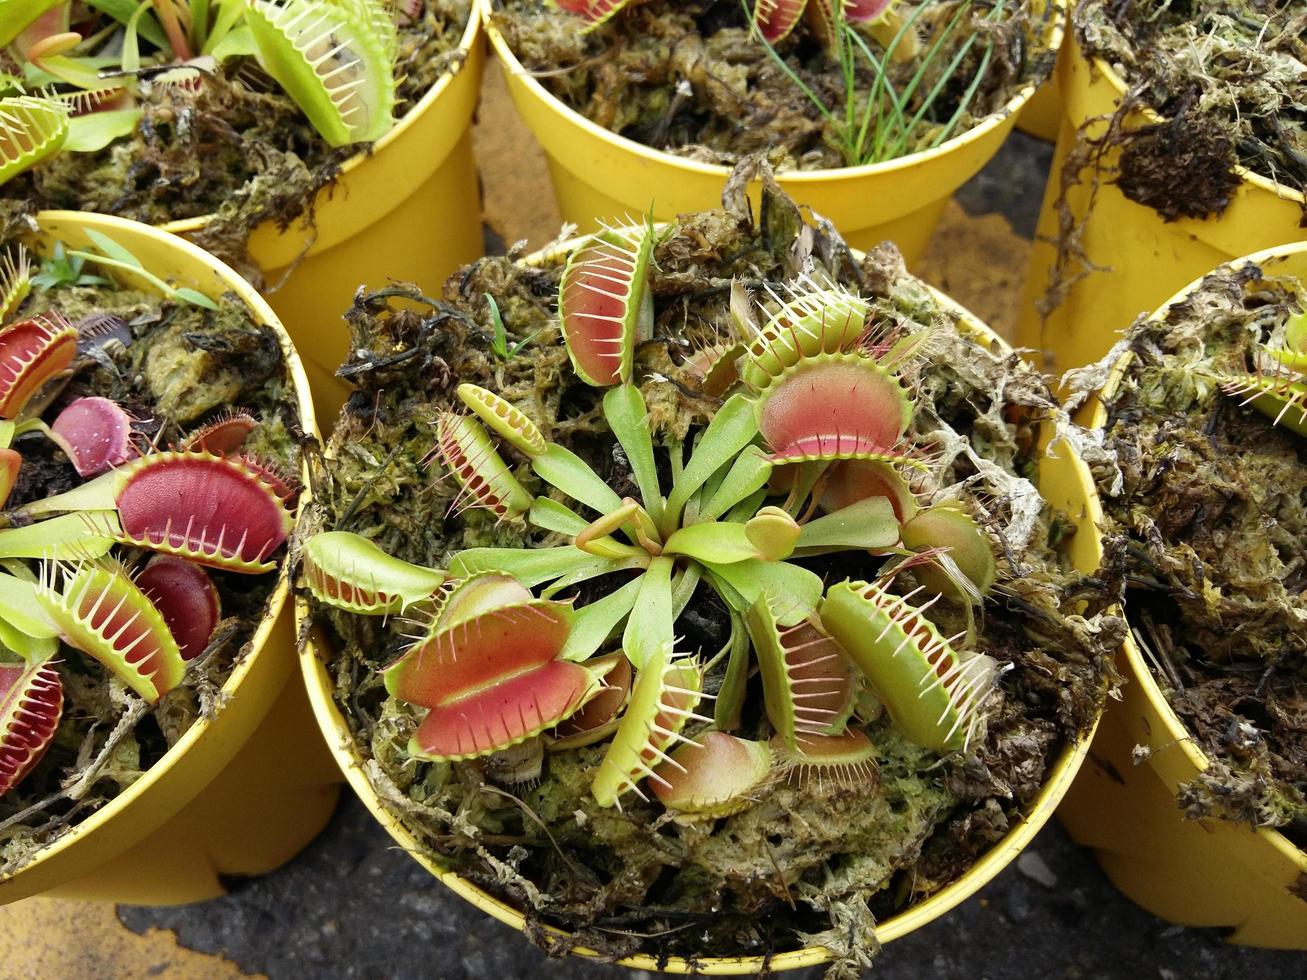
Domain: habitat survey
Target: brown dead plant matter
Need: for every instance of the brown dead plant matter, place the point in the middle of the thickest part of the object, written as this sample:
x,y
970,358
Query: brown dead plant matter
x,y
1227,76
1207,500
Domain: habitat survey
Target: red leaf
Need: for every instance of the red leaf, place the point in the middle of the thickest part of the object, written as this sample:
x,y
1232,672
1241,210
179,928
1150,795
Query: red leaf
x,y
480,651
96,434
217,511
776,18
838,407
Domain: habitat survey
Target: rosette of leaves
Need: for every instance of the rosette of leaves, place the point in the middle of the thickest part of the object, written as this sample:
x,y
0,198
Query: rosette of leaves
x,y
668,550
84,70
117,550
821,400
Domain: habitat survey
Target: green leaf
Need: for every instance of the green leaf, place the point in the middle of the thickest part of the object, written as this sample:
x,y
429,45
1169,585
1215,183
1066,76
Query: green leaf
x,y
730,697
650,627
718,544
595,623
21,609
499,339
684,583
552,516
748,474
529,567
98,494
238,43
31,648
627,416
96,130
731,429
84,535
17,15
122,11
112,249
565,470
597,567
7,432
867,524
194,297
793,591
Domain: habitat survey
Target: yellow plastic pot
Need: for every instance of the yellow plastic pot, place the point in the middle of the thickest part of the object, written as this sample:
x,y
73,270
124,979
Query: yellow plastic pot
x,y
1042,115
598,174
1066,483
1145,258
1207,872
409,209
241,792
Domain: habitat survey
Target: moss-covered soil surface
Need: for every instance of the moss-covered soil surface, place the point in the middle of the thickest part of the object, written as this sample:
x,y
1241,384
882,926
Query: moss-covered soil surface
x,y
1208,508
236,147
1227,76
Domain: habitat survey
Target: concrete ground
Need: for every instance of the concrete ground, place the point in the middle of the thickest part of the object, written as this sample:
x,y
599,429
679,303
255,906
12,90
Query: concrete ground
x,y
353,906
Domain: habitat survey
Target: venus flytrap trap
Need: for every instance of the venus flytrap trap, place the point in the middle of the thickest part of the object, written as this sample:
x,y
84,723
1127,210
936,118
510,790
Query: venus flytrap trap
x,y
1277,386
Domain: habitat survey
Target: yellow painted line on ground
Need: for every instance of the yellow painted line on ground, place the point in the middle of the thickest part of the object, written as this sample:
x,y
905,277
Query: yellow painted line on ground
x,y
53,939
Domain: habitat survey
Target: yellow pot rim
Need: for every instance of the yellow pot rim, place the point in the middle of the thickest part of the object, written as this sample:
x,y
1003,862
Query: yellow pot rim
x,y
1118,82
1052,42
1094,415
261,313
470,36
1060,775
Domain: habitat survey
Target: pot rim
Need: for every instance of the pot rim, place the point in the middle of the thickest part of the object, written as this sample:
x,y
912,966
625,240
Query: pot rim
x,y
466,43
1061,773
1055,27
1093,415
260,312
1150,115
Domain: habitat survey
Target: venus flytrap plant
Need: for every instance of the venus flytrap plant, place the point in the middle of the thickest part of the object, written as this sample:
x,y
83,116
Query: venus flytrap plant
x,y
808,455
201,506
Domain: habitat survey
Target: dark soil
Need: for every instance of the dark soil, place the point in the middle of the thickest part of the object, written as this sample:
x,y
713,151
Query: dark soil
x,y
1228,77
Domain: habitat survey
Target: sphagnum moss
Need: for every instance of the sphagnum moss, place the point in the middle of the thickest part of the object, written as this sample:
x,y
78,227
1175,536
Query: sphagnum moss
x,y
687,545
1206,490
